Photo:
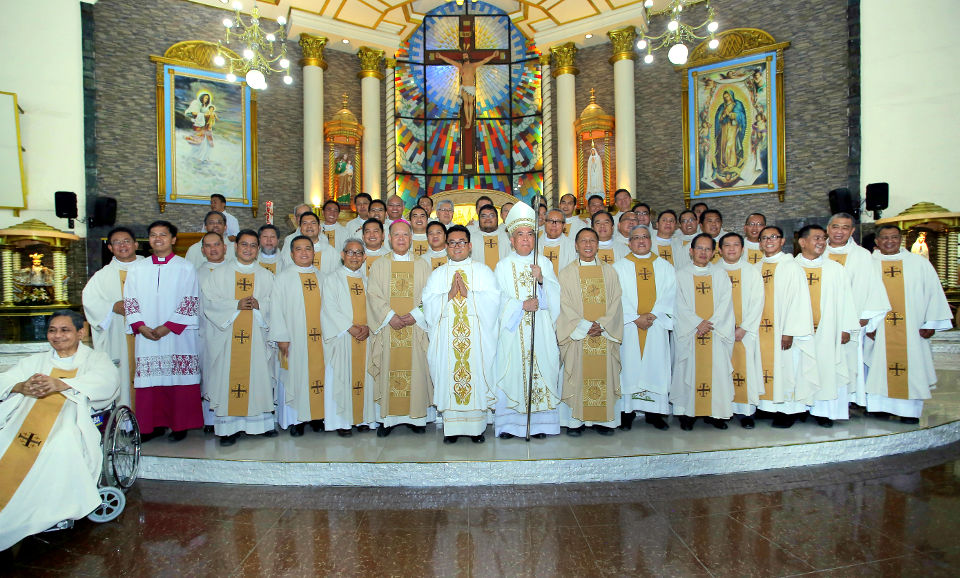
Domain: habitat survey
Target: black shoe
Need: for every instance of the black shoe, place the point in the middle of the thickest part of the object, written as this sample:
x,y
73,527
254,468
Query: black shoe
x,y
824,421
450,439
626,420
686,422
910,420
506,436
363,428
761,414
576,431
747,422
383,431
717,423
418,429
316,424
603,430
157,432
176,436
344,433
228,440
296,430
208,429
877,414
539,436
656,420
270,433
784,420
478,439
802,417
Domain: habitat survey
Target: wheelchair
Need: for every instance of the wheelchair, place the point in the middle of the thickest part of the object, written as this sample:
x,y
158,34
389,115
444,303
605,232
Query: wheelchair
x,y
120,442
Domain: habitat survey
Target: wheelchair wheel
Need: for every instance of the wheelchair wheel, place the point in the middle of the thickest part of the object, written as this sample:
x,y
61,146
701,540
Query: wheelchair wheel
x,y
121,449
112,502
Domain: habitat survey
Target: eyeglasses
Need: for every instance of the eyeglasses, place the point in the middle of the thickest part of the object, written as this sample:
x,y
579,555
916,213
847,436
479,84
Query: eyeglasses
x,y
755,224
642,213
556,221
122,242
770,238
249,245
457,244
354,253
688,220
444,210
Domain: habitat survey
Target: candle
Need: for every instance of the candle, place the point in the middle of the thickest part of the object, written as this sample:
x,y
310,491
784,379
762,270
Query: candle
x,y
269,212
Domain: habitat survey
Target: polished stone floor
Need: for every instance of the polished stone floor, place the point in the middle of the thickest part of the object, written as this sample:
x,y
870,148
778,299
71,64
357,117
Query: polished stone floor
x,y
894,516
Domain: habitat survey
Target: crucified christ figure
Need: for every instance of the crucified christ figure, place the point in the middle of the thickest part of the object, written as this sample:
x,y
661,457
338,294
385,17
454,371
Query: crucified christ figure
x,y
468,83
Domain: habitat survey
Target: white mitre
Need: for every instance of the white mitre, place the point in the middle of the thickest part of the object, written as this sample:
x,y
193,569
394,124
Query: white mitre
x,y
521,215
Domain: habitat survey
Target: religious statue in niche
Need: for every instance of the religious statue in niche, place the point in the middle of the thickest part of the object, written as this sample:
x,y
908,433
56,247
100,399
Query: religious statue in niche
x,y
33,285
468,83
920,246
594,173
344,176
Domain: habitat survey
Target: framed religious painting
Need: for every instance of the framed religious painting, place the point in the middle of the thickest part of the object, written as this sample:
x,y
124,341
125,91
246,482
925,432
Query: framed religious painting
x,y
206,130
733,117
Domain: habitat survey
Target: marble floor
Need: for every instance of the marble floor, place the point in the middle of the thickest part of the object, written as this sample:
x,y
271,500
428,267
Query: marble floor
x,y
894,516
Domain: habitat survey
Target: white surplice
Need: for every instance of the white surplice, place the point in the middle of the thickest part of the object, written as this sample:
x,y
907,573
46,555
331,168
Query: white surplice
x,y
220,310
62,483
926,308
513,349
683,390
204,272
645,378
463,345
751,310
109,329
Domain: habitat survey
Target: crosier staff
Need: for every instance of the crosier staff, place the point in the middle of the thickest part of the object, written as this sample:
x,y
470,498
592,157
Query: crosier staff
x,y
533,314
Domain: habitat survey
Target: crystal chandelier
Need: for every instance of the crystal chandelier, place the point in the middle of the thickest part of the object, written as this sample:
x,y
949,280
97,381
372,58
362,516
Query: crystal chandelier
x,y
677,32
261,52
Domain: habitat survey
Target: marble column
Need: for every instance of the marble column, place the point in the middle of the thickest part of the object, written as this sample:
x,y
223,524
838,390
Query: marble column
x,y
546,138
391,141
623,41
370,77
313,66
565,71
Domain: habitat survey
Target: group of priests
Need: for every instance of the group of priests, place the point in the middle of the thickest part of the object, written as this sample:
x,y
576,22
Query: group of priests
x,y
526,317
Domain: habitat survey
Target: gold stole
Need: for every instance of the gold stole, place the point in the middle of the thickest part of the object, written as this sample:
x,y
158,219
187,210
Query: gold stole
x,y
754,256
272,267
739,358
566,229
491,250
317,257
605,255
315,365
331,237
703,346
437,261
370,259
716,254
766,334
241,350
400,376
839,258
131,349
553,253
358,350
25,448
419,248
462,389
665,252
895,331
813,284
646,291
594,297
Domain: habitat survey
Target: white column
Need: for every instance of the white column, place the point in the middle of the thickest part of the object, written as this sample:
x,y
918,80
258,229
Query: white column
x,y
625,107
566,75
313,67
546,139
370,77
391,129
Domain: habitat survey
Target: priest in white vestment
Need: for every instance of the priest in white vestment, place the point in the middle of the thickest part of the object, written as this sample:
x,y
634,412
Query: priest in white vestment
x,y
746,289
214,253
667,246
297,211
589,331
103,307
870,301
572,223
269,256
704,327
610,251
752,226
436,254
295,327
50,456
554,245
334,232
649,288
343,320
214,222
418,221
238,384
460,302
526,290
901,372
689,225
325,257
490,244
626,221
834,321
162,303
373,242
355,225
786,334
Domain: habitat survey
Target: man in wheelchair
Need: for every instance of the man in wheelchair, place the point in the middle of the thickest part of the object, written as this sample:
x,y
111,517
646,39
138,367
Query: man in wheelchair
x,y
50,456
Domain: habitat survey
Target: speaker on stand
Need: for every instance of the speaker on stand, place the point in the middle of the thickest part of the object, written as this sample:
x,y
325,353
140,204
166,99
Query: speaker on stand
x,y
878,198
843,201
65,204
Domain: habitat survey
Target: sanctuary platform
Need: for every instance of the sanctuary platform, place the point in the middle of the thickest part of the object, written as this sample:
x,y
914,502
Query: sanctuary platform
x,y
408,459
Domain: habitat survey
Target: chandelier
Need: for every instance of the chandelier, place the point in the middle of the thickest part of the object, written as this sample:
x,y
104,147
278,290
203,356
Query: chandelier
x,y
261,52
678,32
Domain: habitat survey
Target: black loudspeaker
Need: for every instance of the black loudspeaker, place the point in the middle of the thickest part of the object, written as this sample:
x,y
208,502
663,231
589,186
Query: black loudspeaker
x,y
843,201
65,204
878,196
104,212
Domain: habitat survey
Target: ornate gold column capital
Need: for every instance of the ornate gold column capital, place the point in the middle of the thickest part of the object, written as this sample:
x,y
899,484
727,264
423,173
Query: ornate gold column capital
x,y
623,41
312,47
370,62
544,60
390,62
564,58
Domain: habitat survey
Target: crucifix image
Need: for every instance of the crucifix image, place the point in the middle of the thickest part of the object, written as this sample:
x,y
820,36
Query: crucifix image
x,y
468,83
